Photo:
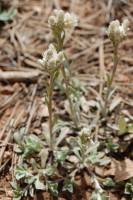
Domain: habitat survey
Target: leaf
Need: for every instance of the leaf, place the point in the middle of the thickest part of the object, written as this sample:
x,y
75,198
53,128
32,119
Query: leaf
x,y
59,124
21,172
38,184
97,196
122,125
17,191
33,145
68,186
18,149
53,187
84,104
60,156
93,158
109,182
129,189
130,128
29,180
112,146
7,15
49,171
62,135
116,101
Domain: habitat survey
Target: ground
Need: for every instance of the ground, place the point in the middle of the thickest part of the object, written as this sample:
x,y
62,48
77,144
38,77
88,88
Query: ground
x,y
22,89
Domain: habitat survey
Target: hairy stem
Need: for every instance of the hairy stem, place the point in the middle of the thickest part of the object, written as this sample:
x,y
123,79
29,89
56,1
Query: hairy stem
x,y
115,61
69,98
50,95
73,114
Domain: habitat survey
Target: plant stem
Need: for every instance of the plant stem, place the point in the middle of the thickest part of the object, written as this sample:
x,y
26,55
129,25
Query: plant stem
x,y
69,98
74,118
115,61
50,95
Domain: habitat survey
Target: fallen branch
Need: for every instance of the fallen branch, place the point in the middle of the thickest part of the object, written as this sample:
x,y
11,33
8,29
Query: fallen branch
x,y
18,76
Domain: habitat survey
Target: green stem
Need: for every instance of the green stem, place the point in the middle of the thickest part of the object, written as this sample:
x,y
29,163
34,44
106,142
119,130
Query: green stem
x,y
50,95
69,98
74,118
115,60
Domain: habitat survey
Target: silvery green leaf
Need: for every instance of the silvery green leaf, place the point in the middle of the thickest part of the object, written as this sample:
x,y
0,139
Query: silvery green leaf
x,y
115,102
111,93
49,171
29,180
39,185
68,186
59,124
7,15
97,196
17,149
33,145
62,135
17,191
76,152
104,161
93,158
53,187
93,147
21,172
60,156
109,182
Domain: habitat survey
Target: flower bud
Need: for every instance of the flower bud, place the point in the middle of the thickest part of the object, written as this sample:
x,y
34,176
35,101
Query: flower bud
x,y
60,16
70,21
117,32
125,26
52,21
55,12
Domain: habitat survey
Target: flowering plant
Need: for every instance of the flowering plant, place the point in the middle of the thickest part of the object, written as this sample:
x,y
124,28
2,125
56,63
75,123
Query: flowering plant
x,y
116,32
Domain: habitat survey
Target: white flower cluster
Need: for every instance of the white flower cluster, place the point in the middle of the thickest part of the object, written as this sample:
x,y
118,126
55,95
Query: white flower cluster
x,y
62,19
117,32
51,58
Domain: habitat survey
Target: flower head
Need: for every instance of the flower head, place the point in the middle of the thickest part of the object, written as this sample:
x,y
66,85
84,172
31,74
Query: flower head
x,y
70,21
51,58
117,32
57,19
63,20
